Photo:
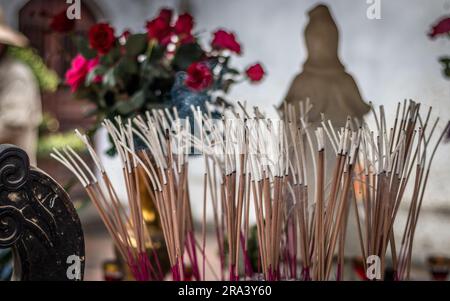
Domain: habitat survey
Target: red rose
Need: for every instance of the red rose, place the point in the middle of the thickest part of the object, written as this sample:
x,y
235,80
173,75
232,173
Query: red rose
x,y
80,67
255,72
101,37
199,77
159,28
183,26
166,14
225,40
442,27
60,23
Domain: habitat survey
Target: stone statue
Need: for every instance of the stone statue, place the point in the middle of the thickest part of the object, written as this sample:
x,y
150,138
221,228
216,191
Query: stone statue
x,y
330,89
20,100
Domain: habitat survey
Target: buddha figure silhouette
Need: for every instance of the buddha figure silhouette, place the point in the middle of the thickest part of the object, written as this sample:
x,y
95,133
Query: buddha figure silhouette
x,y
330,89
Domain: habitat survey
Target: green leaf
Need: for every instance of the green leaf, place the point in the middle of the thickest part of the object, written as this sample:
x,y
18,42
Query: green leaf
x,y
98,70
232,71
136,44
124,108
187,54
109,79
138,99
83,47
127,66
444,60
446,64
111,57
131,105
156,53
226,85
111,151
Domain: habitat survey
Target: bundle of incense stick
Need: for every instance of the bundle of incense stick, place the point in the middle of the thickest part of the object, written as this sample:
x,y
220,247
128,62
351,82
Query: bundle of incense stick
x,y
125,225
250,156
223,144
269,173
165,162
166,179
394,159
243,157
320,218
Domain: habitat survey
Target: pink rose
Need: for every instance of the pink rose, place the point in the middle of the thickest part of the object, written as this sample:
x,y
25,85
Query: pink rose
x,y
78,71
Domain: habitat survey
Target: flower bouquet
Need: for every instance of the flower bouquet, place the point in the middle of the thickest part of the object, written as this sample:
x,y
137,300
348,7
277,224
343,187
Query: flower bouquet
x,y
165,66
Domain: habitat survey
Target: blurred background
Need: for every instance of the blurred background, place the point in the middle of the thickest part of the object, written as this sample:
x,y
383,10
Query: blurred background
x,y
391,58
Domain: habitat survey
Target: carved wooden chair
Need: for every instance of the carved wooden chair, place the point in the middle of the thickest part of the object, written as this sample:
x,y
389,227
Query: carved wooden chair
x,y
38,222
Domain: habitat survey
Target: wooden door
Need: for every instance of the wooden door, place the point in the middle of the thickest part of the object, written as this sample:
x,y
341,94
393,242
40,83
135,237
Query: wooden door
x,y
57,50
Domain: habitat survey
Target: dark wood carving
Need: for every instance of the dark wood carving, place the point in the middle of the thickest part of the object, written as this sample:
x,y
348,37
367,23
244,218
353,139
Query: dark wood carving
x,y
38,221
